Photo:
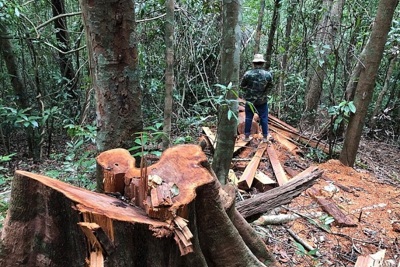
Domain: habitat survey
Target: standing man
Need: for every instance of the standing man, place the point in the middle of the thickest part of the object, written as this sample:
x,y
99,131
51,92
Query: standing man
x,y
256,84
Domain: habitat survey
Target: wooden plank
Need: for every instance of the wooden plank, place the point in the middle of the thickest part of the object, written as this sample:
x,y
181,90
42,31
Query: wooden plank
x,y
332,209
247,177
239,144
372,260
292,148
276,166
210,135
263,178
262,182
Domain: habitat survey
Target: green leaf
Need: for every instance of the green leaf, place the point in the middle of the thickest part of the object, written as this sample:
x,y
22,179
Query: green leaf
x,y
352,107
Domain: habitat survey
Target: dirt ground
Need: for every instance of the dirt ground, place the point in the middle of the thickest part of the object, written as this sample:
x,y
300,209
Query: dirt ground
x,y
368,194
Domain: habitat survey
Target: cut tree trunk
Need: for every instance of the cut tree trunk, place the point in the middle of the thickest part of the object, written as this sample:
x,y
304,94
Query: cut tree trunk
x,y
278,196
190,221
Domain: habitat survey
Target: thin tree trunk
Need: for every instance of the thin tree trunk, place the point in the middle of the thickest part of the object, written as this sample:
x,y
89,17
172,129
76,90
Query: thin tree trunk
x,y
285,56
65,60
271,34
169,72
227,117
373,54
17,84
385,89
259,27
328,29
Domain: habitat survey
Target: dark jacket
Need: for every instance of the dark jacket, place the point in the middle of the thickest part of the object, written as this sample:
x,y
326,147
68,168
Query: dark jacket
x,y
255,86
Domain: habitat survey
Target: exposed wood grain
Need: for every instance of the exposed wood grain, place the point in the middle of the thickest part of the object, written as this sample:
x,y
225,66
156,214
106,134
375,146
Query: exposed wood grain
x,y
278,196
276,165
246,180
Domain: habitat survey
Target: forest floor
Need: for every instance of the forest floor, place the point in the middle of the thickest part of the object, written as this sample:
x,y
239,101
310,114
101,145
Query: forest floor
x,y
372,201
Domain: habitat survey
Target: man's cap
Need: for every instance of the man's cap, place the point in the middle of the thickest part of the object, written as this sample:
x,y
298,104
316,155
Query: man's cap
x,y
258,58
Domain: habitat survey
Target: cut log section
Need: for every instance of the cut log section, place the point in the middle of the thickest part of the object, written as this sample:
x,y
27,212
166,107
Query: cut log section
x,y
51,223
278,196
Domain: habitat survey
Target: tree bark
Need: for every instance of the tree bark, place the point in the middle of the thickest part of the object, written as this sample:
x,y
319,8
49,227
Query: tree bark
x,y
373,54
271,34
230,61
65,62
259,27
328,29
51,223
112,48
385,89
278,196
169,72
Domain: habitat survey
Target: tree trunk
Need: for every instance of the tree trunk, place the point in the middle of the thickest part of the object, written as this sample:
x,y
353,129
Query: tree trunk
x,y
271,34
51,223
373,52
230,61
65,61
325,46
110,33
17,84
259,27
285,56
385,89
169,72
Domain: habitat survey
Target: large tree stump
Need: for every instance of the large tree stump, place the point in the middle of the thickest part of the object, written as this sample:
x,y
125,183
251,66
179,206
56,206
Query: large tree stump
x,y
50,223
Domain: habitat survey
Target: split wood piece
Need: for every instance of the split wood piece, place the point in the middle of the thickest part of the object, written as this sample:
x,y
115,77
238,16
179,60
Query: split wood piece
x,y
264,202
183,235
97,238
295,136
329,206
276,166
262,182
246,180
211,136
372,260
281,124
292,148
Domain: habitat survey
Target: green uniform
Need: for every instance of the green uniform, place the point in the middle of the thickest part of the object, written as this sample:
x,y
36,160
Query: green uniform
x,y
255,85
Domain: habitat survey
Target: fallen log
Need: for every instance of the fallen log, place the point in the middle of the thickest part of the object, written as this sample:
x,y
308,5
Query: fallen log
x,y
278,196
52,224
330,207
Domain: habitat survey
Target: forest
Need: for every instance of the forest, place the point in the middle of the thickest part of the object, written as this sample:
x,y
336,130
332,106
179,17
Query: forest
x,y
80,78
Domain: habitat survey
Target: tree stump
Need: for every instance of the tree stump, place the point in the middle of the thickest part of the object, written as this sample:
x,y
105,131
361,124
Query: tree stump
x,y
173,213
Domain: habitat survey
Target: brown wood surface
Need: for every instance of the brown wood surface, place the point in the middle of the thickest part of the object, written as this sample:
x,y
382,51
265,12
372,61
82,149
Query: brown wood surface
x,y
51,223
332,209
276,165
281,195
246,180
